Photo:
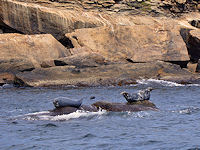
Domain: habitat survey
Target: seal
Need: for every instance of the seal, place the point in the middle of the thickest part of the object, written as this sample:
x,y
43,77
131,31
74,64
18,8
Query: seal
x,y
66,102
140,96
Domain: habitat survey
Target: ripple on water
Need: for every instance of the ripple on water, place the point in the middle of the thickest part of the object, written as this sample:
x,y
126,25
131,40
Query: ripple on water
x,y
88,136
48,125
189,110
196,148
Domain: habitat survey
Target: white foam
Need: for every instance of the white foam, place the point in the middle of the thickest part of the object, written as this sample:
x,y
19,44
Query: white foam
x,y
188,110
193,85
37,113
141,114
74,115
162,82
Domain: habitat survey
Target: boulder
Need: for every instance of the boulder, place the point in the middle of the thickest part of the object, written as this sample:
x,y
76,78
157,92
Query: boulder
x,y
6,78
192,66
10,79
25,52
112,74
193,44
138,43
31,18
80,60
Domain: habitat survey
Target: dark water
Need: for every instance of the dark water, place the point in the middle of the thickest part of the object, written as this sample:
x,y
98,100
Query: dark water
x,y
176,126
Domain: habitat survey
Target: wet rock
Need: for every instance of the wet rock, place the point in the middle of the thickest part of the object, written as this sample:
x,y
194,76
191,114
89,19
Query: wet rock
x,y
112,74
120,107
68,110
92,97
21,53
108,106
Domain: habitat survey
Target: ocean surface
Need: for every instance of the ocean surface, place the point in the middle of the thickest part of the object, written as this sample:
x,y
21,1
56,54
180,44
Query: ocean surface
x,y
176,126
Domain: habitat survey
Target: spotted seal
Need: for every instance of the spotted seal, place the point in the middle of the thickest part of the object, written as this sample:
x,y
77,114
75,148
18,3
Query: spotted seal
x,y
140,96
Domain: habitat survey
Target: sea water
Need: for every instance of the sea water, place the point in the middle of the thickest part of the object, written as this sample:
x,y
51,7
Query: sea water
x,y
176,126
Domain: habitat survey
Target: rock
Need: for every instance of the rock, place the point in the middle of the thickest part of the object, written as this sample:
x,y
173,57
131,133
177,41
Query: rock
x,y
120,107
10,80
31,18
26,52
198,6
92,97
195,23
193,44
143,43
68,110
6,78
192,66
48,64
1,31
198,66
15,65
82,60
112,74
108,106
181,1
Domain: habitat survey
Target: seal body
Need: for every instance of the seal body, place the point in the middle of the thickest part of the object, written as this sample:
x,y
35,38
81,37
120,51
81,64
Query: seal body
x,y
66,102
141,95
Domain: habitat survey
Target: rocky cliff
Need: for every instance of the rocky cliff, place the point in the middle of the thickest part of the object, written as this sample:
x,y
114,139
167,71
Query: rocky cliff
x,y
98,42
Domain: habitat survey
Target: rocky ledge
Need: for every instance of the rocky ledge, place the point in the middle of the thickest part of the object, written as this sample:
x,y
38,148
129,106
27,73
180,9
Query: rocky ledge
x,y
92,43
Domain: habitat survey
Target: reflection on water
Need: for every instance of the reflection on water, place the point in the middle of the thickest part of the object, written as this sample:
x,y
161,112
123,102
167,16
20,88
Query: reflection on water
x,y
26,124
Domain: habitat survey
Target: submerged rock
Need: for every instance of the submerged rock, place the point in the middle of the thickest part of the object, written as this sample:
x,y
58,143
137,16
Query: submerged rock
x,y
108,106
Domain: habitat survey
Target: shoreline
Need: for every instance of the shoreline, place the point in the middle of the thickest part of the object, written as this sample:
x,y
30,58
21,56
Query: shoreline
x,y
98,44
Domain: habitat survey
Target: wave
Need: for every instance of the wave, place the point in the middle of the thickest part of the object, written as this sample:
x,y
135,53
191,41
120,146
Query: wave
x,y
141,114
163,83
189,110
44,115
